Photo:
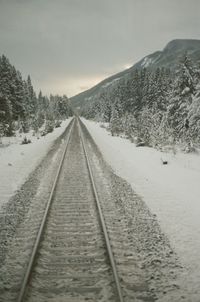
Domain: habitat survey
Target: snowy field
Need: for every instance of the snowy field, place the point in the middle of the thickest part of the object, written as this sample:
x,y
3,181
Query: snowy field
x,y
18,161
172,192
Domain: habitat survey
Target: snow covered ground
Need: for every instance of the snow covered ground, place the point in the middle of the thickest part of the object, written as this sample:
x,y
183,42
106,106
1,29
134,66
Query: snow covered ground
x,y
18,161
172,192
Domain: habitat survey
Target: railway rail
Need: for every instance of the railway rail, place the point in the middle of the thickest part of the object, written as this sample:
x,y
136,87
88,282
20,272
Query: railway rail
x,y
72,258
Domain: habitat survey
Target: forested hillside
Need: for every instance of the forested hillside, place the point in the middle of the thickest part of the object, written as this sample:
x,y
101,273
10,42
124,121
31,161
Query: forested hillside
x,y
169,58
21,109
154,107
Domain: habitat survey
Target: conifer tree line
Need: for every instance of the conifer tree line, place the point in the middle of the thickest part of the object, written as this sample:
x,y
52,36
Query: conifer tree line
x,y
20,107
156,107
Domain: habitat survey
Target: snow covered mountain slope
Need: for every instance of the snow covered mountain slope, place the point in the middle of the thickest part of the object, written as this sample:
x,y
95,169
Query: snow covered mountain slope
x,y
168,57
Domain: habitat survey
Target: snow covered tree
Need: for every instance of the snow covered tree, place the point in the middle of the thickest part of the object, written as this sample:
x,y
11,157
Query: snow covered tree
x,y
130,126
115,123
181,99
194,116
32,99
6,116
17,96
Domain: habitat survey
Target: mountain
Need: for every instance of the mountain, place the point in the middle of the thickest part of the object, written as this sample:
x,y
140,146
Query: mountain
x,y
169,57
171,54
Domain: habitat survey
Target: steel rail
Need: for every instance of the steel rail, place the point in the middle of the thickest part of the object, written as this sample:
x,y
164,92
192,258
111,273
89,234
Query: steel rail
x,y
102,220
43,222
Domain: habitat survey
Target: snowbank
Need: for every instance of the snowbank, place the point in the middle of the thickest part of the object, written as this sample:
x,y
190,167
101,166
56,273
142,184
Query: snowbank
x,y
18,161
172,191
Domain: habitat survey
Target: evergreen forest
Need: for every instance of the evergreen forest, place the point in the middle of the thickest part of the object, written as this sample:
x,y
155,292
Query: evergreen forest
x,y
153,107
22,109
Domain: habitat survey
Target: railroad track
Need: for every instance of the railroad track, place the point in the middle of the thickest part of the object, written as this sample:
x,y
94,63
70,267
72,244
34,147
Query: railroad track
x,y
72,259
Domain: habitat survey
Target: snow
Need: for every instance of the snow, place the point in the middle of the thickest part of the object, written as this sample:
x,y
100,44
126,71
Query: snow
x,y
146,62
149,61
18,161
172,192
185,91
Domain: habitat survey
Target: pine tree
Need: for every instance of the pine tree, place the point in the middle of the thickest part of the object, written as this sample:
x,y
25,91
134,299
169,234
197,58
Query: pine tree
x,y
134,102
130,126
32,100
194,116
18,98
115,123
181,99
6,116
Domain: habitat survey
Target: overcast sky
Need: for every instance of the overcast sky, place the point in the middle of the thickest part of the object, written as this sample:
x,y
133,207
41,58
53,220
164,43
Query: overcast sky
x,y
68,46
